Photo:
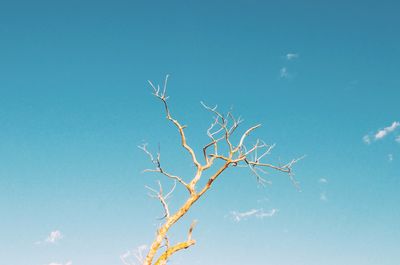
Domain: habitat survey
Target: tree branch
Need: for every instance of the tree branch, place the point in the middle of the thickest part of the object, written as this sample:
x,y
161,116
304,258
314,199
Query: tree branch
x,y
222,128
159,195
244,137
157,162
162,96
180,246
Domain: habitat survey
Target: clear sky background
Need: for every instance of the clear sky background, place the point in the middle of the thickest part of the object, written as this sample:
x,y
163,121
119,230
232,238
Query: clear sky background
x,y
74,105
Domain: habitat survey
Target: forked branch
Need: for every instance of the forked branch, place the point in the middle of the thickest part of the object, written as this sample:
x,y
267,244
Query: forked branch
x,y
163,97
157,163
219,132
161,197
162,260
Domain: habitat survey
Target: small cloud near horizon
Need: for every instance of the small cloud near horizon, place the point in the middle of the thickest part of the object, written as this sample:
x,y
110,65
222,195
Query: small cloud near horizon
x,y
52,238
258,213
55,263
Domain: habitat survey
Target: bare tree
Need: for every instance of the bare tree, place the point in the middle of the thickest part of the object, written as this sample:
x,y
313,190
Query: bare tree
x,y
233,155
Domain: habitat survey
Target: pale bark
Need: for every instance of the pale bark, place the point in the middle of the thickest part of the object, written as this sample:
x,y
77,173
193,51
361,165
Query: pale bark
x,y
237,155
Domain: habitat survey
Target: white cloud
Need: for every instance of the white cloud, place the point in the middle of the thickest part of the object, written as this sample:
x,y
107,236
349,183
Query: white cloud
x,y
263,214
385,131
283,73
259,213
380,134
292,56
238,216
366,139
390,157
55,263
54,237
323,180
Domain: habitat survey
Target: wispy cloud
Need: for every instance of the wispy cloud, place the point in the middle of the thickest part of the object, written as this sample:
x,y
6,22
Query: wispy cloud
x,y
258,213
366,139
398,139
55,263
283,73
382,133
292,56
322,194
323,180
262,214
385,131
52,238
390,157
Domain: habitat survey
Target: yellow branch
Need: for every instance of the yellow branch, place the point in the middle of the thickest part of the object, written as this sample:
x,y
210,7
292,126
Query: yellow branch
x,y
164,257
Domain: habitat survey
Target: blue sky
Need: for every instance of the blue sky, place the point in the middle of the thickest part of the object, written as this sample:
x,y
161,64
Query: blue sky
x,y
322,78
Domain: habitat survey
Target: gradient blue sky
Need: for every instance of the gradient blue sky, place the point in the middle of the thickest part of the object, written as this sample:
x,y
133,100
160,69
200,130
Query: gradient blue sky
x,y
74,104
